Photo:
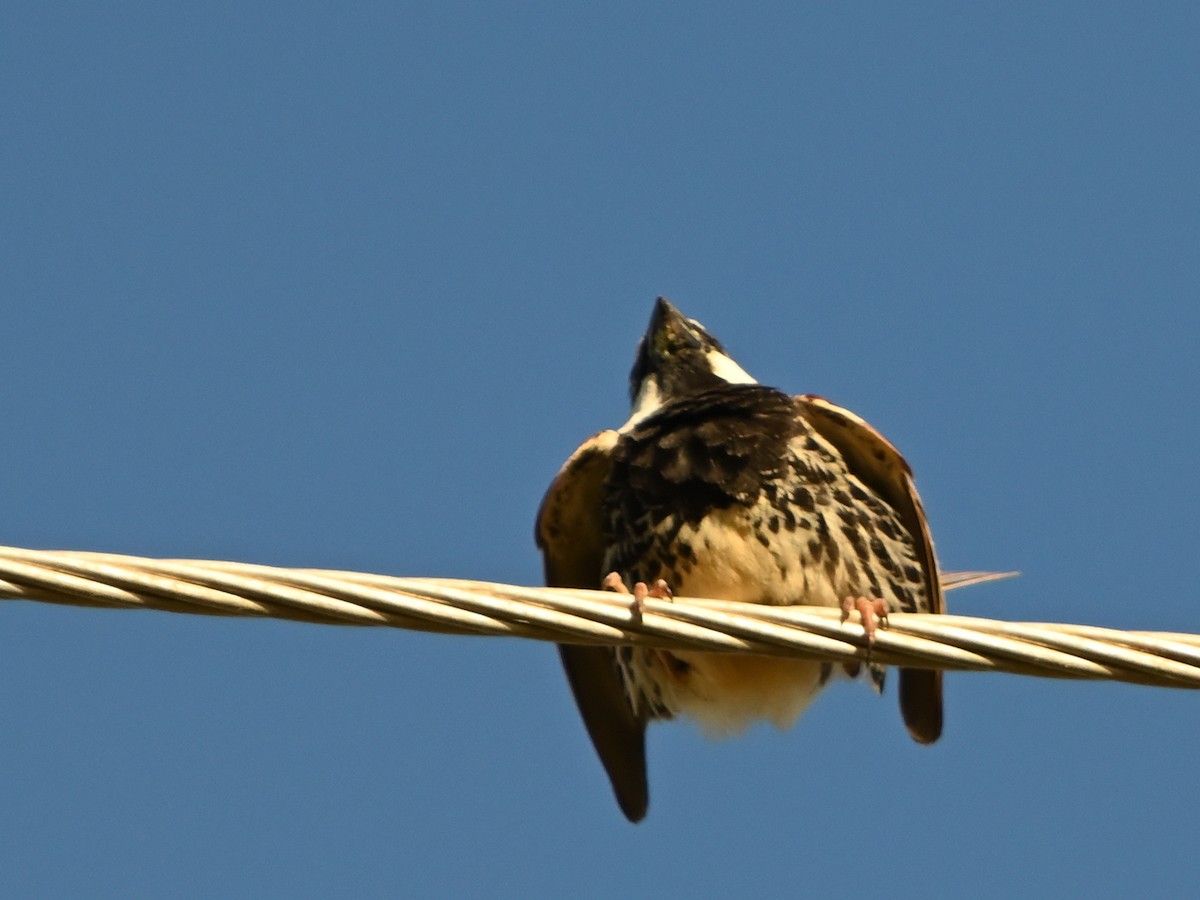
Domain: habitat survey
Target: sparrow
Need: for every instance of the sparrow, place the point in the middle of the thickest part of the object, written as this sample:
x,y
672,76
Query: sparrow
x,y
722,488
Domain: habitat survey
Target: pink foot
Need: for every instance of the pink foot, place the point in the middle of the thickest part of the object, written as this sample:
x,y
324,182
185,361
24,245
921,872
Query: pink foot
x,y
660,590
872,613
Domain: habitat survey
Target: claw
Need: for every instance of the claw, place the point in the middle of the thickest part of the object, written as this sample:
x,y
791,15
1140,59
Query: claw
x,y
660,590
613,582
872,614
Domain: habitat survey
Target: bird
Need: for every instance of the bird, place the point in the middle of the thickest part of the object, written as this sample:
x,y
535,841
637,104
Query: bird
x,y
720,487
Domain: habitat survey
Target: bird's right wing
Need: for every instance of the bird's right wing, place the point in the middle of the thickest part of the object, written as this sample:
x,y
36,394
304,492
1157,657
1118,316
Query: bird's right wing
x,y
570,534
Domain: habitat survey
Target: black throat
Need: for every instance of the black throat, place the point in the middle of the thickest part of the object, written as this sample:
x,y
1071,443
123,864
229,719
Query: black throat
x,y
705,451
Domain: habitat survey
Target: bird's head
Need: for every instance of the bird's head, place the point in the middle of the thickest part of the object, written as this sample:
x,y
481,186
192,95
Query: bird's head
x,y
677,357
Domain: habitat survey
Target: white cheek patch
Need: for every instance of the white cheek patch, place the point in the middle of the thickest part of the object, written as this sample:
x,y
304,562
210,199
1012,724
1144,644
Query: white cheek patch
x,y
649,399
727,370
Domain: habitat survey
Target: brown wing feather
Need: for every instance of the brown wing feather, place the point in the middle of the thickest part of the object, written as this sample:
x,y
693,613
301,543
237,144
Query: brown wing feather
x,y
570,533
873,459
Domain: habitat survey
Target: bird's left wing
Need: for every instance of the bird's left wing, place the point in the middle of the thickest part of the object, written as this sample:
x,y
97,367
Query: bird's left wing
x,y
879,465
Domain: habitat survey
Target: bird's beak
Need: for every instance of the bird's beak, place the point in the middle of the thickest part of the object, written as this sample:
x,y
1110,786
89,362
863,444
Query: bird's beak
x,y
669,328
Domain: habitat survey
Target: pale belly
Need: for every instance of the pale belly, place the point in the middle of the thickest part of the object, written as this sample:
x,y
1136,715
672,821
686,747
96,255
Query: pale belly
x,y
723,692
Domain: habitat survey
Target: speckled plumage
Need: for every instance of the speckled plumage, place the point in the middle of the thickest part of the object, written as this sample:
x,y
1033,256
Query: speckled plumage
x,y
731,490
731,493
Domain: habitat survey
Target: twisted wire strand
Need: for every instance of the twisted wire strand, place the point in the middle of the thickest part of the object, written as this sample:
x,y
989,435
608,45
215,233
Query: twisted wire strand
x,y
456,606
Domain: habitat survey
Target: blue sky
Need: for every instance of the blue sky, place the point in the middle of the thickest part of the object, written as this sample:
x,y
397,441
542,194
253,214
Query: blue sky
x,y
342,285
